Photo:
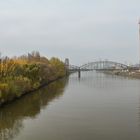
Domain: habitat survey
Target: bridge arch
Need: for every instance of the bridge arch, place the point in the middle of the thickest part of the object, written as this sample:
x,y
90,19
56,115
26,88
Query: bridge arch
x,y
103,65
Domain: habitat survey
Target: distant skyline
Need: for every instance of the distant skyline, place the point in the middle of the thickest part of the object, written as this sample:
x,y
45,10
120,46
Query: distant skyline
x,y
81,30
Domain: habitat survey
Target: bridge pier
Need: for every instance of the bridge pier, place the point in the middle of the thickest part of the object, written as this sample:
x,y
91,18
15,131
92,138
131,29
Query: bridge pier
x,y
79,73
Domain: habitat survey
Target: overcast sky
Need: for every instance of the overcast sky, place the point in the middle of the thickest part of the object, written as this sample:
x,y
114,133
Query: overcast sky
x,y
82,30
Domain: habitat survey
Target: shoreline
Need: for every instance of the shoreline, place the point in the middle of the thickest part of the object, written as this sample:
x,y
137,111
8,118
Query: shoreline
x,y
31,91
130,74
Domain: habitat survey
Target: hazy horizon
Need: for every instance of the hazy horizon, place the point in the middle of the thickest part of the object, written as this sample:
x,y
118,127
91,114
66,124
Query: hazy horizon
x,y
80,30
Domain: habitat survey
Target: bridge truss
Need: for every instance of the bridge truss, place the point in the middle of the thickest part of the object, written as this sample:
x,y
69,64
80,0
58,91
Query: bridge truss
x,y
99,65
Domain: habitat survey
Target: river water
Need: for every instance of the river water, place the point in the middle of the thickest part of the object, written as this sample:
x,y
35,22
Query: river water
x,y
95,107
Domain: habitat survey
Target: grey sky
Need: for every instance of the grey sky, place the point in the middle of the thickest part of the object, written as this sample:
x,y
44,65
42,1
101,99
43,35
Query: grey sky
x,y
82,30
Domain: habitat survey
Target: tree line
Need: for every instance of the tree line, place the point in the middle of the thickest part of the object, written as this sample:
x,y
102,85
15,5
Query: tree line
x,y
22,74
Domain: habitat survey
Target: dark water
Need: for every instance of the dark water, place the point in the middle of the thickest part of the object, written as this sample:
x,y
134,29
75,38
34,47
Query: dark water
x,y
95,107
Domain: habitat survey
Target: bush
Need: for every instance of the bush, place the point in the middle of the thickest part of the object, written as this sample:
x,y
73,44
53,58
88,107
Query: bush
x,y
20,75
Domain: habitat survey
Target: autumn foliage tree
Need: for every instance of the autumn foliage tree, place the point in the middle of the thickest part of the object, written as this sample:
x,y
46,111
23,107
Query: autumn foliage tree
x,y
21,74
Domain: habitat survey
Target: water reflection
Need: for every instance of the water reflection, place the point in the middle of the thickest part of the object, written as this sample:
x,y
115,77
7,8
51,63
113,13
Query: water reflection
x,y
101,80
12,115
97,106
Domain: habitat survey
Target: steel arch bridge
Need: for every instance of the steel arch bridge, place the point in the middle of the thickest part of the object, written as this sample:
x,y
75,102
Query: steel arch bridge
x,y
103,65
99,65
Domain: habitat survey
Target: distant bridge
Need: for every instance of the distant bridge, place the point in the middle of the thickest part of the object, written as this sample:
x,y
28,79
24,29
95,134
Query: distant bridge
x,y
103,65
97,65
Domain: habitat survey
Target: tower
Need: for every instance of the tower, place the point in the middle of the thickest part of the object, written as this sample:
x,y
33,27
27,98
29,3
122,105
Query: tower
x,y
67,62
139,42
67,66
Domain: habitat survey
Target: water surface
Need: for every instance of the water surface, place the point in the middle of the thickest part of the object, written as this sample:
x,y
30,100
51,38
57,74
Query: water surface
x,y
97,106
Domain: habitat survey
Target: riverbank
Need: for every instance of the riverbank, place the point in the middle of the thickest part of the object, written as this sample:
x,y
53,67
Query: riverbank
x,y
30,91
25,74
125,73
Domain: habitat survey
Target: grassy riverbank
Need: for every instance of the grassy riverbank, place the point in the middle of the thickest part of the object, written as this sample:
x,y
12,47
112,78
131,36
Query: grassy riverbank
x,y
19,75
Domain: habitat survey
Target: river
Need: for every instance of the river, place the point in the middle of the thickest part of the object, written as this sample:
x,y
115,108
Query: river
x,y
95,107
